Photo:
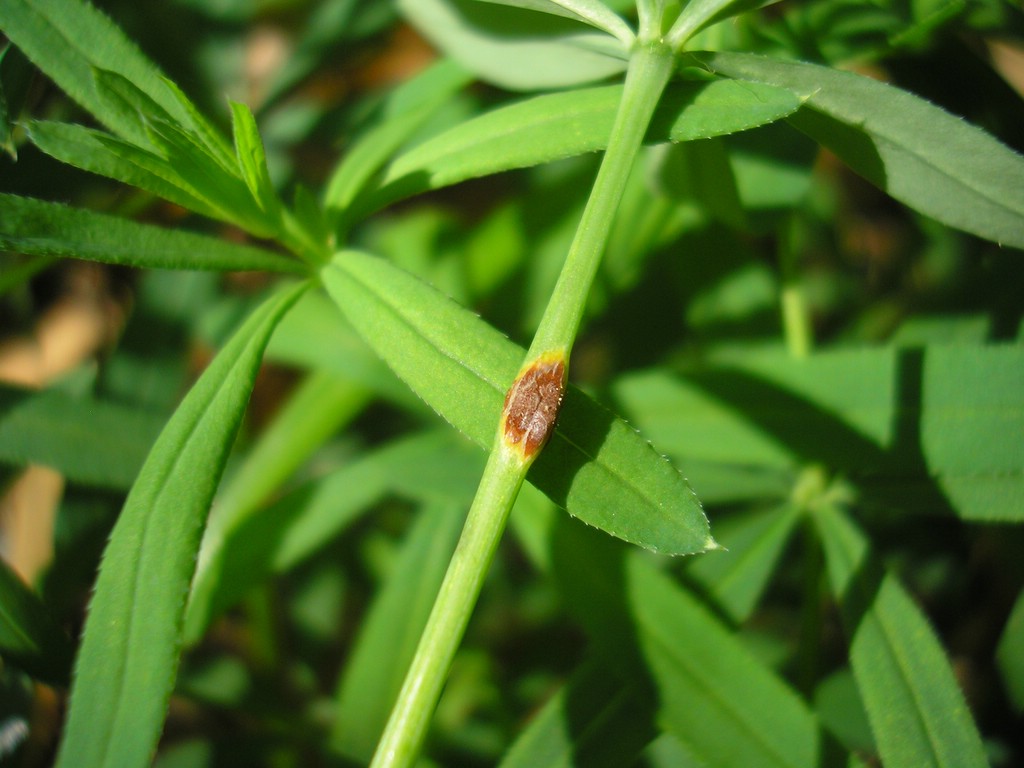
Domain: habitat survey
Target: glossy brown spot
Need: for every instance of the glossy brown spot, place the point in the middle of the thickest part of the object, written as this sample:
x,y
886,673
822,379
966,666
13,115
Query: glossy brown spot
x,y
531,405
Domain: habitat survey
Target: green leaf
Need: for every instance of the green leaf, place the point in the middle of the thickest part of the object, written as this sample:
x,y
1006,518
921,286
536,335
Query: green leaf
x,y
840,708
710,693
202,128
928,429
29,638
102,154
252,160
307,222
390,631
132,106
916,710
322,404
38,228
753,542
129,654
197,171
722,483
773,168
698,14
592,12
596,720
515,48
432,467
699,171
192,160
554,126
184,164
1010,654
316,336
924,157
68,40
405,111
89,441
595,466
666,751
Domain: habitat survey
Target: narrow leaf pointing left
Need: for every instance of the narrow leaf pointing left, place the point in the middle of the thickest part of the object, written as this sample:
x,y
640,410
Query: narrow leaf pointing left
x,y
35,227
129,654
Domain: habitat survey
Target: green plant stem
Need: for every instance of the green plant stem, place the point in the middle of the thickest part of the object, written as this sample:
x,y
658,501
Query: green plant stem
x,y
408,722
794,320
796,316
649,70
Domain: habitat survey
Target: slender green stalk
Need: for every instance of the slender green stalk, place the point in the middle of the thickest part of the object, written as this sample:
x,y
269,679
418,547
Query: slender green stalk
x,y
649,71
407,725
796,315
795,320
528,418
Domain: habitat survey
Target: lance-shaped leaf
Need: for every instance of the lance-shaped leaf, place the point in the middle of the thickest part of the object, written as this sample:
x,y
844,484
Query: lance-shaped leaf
x,y
49,229
652,646
726,706
202,174
433,467
1010,655
592,12
555,126
934,429
921,155
917,712
100,153
698,14
515,48
322,404
595,465
129,655
91,441
596,720
754,542
252,160
403,113
69,39
130,104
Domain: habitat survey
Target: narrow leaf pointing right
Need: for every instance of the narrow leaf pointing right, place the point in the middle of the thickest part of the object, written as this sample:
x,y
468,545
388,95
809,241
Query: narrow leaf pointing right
x,y
921,155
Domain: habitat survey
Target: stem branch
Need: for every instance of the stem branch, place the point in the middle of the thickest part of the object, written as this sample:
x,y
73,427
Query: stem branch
x,y
522,431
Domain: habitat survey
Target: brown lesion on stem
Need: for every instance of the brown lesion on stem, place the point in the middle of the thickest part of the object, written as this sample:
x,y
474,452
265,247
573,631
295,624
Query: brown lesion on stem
x,y
532,405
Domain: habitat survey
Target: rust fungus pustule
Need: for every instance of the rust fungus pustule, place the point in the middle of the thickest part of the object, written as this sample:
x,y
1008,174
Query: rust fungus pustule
x,y
532,403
